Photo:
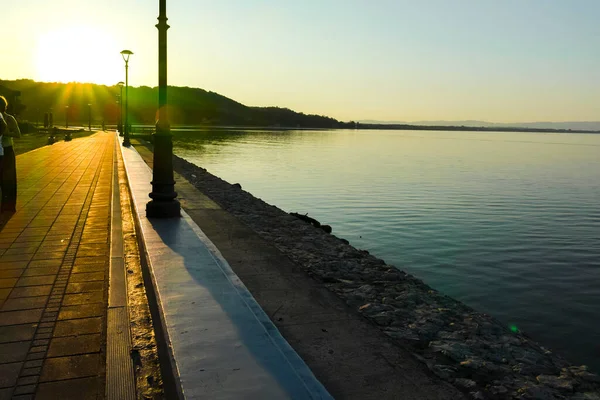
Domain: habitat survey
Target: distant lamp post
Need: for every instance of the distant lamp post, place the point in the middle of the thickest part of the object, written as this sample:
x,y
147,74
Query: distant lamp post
x,y
126,54
89,117
120,127
163,203
67,116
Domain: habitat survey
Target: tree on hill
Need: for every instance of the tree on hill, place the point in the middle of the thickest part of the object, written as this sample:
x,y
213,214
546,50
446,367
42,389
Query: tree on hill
x,y
187,106
16,107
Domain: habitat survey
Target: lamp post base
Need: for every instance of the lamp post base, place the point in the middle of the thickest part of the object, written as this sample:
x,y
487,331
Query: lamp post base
x,y
163,209
163,195
126,142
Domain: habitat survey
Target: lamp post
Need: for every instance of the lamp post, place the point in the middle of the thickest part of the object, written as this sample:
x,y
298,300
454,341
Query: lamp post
x,y
119,120
89,117
67,116
126,54
163,203
120,128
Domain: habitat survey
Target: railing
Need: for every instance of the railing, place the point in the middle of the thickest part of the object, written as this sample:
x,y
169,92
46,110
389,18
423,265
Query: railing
x,y
138,130
142,130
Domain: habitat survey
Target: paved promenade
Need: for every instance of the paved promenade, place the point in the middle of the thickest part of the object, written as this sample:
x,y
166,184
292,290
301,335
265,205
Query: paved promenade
x,y
54,260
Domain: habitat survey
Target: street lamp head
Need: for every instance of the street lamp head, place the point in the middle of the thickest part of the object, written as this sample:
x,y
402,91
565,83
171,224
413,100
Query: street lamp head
x,y
126,54
120,83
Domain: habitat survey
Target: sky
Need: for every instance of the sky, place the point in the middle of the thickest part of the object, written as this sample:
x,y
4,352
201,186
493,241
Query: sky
x,y
396,60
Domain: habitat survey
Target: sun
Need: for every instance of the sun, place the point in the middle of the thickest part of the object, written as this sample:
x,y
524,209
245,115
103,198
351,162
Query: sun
x,y
78,54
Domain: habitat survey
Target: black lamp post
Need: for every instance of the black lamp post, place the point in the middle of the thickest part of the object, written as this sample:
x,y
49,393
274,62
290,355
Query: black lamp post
x,y
163,203
126,54
89,117
120,127
67,116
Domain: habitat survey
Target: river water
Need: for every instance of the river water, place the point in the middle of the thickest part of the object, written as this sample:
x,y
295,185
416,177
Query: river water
x,y
508,223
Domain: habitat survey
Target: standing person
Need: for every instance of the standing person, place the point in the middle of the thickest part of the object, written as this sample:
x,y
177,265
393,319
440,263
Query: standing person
x,y
8,177
3,129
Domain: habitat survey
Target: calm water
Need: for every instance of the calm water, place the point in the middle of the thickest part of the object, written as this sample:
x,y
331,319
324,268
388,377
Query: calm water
x,y
508,223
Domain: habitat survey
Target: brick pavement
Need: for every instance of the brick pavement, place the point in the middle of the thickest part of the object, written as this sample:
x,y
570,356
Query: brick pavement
x,y
54,259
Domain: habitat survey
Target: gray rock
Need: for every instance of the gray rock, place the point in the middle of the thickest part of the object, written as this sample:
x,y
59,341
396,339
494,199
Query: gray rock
x,y
382,319
586,396
364,292
465,383
498,390
555,382
538,393
477,395
402,334
444,371
456,351
582,373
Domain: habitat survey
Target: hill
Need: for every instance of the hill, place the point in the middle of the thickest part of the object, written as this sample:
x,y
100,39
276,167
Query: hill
x,y
193,106
187,106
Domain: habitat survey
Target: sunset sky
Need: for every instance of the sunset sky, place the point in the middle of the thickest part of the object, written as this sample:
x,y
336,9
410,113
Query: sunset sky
x,y
501,61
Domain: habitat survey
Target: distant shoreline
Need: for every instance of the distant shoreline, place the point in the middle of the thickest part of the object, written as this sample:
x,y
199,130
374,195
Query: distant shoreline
x,y
449,128
468,128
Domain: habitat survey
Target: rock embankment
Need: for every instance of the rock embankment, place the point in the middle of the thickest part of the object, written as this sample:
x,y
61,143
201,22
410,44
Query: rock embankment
x,y
472,350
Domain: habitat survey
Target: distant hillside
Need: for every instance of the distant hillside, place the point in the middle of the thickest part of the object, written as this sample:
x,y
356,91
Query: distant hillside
x,y
187,106
193,106
573,125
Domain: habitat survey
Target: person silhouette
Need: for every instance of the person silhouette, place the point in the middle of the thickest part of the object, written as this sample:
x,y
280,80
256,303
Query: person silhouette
x,y
8,177
3,129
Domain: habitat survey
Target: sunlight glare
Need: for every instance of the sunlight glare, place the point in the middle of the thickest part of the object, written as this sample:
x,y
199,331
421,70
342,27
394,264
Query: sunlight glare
x,y
79,54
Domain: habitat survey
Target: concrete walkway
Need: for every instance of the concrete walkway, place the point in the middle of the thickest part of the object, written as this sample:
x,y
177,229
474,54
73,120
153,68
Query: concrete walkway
x,y
54,268
222,344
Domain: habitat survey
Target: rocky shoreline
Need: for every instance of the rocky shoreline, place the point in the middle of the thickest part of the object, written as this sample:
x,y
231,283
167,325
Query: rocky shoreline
x,y
473,351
